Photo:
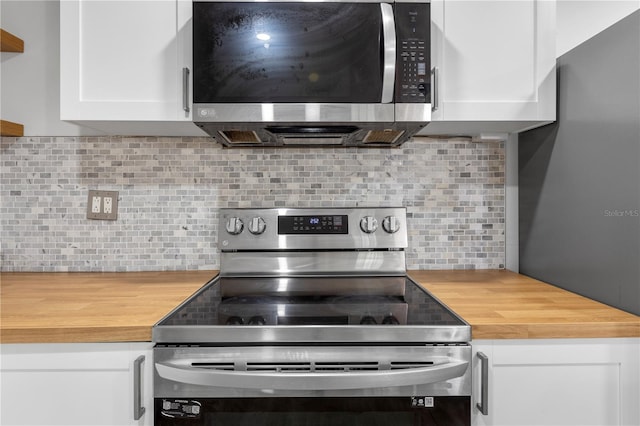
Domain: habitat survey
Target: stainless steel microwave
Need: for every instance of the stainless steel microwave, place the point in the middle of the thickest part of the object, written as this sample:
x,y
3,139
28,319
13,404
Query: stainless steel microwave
x,y
281,73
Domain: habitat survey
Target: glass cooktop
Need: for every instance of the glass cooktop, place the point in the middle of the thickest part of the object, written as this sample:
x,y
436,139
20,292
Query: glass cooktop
x,y
312,301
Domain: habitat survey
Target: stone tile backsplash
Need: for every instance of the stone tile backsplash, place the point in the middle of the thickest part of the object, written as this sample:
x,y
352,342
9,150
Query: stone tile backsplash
x,y
170,190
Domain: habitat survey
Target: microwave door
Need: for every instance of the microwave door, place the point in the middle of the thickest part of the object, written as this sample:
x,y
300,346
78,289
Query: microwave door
x,y
307,52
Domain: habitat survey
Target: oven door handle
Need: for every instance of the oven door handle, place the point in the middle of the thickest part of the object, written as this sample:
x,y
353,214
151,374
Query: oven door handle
x,y
311,380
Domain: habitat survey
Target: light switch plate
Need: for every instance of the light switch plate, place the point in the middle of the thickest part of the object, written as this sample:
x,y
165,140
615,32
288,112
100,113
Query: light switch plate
x,y
102,205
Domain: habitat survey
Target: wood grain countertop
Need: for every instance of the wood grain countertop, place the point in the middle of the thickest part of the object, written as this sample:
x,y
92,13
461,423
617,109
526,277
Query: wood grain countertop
x,y
90,307
123,306
506,305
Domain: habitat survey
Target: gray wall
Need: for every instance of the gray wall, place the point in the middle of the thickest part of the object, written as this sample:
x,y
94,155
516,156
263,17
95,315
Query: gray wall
x,y
579,178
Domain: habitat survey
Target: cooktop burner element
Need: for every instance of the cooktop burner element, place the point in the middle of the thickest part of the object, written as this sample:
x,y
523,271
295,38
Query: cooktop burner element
x,y
312,276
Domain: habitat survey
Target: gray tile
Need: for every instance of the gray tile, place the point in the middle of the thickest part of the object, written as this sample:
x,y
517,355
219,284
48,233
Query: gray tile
x,y
171,189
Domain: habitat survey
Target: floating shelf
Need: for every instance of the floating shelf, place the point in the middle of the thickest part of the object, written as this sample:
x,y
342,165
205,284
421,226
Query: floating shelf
x,y
10,43
9,128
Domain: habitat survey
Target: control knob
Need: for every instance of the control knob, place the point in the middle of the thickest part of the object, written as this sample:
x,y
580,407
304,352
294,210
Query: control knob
x,y
234,225
391,224
257,225
369,224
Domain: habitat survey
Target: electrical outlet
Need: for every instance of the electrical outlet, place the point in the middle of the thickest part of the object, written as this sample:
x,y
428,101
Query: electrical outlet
x,y
102,205
95,204
107,201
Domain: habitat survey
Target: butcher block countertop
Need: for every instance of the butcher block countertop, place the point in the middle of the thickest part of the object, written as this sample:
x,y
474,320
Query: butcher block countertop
x,y
505,305
90,307
123,306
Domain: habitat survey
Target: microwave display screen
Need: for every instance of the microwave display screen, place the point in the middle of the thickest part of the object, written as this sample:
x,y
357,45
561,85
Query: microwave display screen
x,y
287,52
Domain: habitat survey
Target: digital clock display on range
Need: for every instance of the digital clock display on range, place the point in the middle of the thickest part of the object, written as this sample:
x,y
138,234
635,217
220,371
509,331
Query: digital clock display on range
x,y
334,224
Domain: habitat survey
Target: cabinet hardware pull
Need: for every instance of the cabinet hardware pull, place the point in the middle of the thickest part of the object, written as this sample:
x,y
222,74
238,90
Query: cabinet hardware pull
x,y
185,89
483,405
434,89
138,409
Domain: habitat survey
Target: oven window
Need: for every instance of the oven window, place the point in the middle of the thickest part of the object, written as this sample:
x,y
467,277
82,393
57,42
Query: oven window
x,y
351,411
287,52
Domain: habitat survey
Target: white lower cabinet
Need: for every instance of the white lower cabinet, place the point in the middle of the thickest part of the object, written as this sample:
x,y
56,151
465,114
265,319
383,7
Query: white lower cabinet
x,y
75,384
558,382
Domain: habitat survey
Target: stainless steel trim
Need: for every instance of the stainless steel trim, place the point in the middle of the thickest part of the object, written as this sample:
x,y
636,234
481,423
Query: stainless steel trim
x,y
389,40
311,381
434,89
420,113
230,334
294,113
185,89
138,409
314,286
306,263
483,405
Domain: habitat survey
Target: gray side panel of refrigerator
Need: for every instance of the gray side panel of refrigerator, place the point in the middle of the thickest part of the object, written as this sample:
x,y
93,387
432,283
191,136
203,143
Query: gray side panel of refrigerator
x,y
579,178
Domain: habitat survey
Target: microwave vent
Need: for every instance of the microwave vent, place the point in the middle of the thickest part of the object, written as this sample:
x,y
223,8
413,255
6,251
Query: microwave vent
x,y
312,141
387,136
241,136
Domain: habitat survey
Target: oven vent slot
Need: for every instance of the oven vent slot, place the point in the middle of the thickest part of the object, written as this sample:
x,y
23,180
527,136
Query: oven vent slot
x,y
279,367
310,367
346,366
230,366
410,364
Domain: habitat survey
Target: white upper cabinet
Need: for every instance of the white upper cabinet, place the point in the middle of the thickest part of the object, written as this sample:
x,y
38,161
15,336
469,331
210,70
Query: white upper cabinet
x,y
125,61
494,64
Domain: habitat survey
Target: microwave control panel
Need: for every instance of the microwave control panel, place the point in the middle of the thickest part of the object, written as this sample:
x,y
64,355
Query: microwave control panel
x,y
413,22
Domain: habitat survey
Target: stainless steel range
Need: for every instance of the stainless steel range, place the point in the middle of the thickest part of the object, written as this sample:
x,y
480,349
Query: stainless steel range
x,y
312,321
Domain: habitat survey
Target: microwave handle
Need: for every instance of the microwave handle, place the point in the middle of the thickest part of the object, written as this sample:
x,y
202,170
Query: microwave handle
x,y
311,381
389,48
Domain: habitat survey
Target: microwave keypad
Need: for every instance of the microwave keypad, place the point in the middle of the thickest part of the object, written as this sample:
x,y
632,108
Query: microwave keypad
x,y
412,28
414,71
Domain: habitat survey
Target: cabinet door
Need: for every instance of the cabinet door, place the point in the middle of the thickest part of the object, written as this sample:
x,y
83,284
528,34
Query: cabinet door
x,y
119,60
185,58
495,60
561,382
73,384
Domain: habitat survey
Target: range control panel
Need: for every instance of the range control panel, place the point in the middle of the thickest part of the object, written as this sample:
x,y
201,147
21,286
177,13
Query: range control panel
x,y
413,83
312,229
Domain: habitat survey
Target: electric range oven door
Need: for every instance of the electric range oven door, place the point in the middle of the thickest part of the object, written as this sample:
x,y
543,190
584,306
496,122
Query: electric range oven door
x,y
313,385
